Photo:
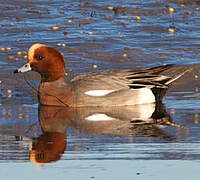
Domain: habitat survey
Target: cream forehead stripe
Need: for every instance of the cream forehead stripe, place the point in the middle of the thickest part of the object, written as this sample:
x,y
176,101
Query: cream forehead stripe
x,y
32,50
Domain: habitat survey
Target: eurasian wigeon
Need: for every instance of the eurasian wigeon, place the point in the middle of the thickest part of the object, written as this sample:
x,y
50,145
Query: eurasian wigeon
x,y
110,88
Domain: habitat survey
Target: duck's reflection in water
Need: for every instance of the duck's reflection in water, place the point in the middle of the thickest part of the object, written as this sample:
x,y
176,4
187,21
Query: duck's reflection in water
x,y
137,121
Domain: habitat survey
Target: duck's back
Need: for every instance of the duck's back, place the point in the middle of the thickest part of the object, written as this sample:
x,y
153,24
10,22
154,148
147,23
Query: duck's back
x,y
120,88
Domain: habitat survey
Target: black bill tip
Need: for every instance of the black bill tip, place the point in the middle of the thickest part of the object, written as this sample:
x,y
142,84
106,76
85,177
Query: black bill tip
x,y
15,71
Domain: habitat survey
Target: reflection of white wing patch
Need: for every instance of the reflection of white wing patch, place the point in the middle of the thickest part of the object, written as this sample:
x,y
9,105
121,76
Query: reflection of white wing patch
x,y
98,92
144,112
99,117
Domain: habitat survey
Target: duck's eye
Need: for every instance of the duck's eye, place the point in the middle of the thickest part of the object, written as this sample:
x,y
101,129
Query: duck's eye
x,y
39,57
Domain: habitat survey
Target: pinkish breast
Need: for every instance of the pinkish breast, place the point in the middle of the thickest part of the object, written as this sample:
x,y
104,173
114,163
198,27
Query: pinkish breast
x,y
51,96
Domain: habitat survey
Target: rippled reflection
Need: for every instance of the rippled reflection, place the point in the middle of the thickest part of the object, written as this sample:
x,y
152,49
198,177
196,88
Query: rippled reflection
x,y
136,121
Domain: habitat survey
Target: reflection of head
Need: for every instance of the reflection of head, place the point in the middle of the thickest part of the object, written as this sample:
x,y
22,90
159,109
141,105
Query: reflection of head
x,y
48,147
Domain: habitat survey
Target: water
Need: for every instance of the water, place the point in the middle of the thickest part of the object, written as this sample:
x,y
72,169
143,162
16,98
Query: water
x,y
54,143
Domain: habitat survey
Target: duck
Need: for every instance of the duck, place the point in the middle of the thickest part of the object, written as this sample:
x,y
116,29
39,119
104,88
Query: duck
x,y
109,88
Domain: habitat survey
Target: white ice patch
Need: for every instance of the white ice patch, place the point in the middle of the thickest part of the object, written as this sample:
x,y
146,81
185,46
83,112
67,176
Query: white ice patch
x,y
99,117
98,92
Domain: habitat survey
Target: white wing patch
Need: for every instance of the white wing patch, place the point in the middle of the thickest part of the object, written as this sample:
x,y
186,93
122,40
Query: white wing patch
x,y
99,117
98,92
